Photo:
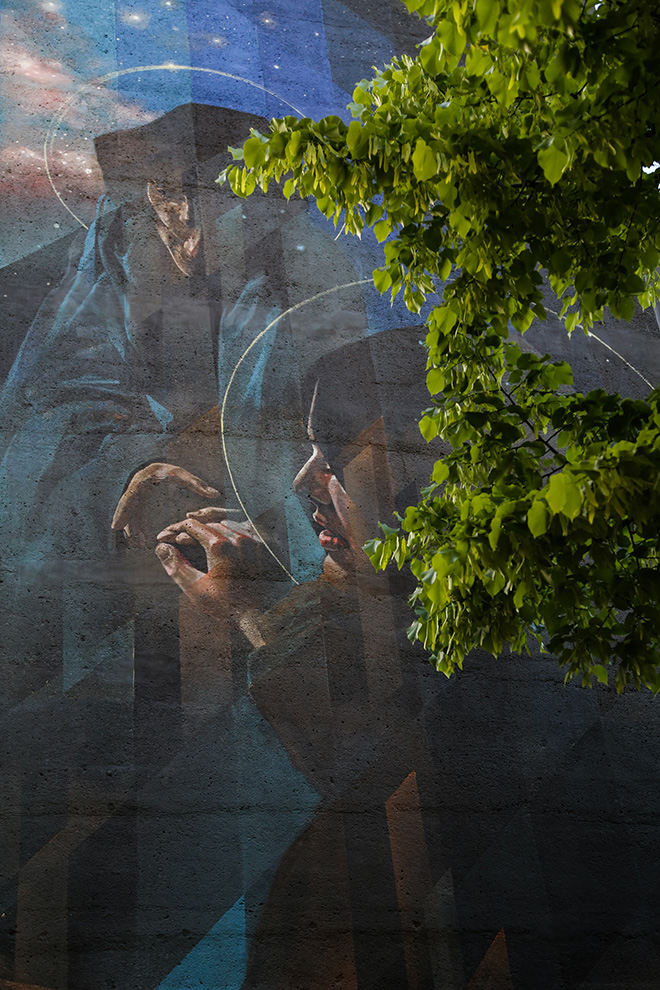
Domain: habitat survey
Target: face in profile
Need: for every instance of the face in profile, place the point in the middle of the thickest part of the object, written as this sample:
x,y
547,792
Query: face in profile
x,y
368,457
337,519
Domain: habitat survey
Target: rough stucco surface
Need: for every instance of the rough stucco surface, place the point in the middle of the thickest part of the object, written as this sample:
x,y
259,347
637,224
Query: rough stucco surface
x,y
183,806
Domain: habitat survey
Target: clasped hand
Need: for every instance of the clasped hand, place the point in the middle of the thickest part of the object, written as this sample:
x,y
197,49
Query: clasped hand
x,y
226,589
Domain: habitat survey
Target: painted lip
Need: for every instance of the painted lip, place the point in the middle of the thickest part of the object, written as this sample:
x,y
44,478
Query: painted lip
x,y
330,541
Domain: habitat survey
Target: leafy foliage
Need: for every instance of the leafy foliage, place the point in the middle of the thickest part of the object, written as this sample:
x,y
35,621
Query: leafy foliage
x,y
517,141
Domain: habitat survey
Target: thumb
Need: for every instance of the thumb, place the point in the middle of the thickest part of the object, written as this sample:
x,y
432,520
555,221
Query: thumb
x,y
177,567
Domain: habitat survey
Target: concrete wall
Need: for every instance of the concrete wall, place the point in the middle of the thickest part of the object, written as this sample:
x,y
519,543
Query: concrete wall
x,y
247,777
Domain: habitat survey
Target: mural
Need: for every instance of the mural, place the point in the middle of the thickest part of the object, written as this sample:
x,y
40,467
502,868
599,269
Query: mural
x,y
224,766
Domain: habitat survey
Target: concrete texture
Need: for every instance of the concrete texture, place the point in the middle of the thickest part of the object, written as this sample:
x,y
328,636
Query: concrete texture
x,y
187,803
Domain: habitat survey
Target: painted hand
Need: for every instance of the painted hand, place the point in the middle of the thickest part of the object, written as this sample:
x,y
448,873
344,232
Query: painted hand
x,y
130,514
211,515
226,590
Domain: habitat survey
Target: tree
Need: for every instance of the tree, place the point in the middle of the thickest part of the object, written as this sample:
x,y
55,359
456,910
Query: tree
x,y
521,140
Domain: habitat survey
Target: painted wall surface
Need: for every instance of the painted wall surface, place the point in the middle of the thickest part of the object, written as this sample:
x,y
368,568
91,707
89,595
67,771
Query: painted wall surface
x,y
223,765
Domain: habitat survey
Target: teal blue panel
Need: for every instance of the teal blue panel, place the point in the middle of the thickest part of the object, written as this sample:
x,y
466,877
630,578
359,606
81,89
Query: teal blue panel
x,y
306,555
219,961
277,800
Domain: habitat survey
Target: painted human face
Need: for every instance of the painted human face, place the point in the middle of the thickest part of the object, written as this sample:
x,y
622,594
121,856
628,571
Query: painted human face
x,y
317,480
177,232
335,514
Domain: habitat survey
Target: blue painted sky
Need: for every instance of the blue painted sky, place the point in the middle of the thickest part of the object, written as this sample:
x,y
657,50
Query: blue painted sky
x,y
50,49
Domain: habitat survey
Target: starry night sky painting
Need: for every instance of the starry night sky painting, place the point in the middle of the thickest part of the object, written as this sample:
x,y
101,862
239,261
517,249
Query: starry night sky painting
x,y
224,766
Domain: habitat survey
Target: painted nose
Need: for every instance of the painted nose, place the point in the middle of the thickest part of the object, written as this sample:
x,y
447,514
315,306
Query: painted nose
x,y
313,478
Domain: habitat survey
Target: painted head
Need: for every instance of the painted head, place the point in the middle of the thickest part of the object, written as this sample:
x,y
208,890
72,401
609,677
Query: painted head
x,y
364,401
176,159
334,514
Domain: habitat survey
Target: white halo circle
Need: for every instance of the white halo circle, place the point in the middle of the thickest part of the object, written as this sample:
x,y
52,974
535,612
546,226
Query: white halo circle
x,y
68,105
225,399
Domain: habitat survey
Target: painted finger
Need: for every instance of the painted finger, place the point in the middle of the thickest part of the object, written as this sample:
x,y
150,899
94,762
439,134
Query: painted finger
x,y
190,481
211,513
209,537
175,534
239,532
177,567
172,532
235,534
242,528
124,509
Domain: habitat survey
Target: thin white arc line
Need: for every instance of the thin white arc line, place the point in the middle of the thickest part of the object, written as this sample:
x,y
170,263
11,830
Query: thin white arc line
x,y
620,356
165,67
292,309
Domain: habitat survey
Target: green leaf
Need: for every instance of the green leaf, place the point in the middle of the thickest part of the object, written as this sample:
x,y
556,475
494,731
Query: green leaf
x,y
444,269
627,308
553,161
373,214
476,61
382,230
428,428
487,14
538,518
435,380
254,151
357,139
448,33
564,494
424,162
362,95
430,58
382,279
561,260
493,582
519,596
494,535
388,530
